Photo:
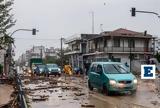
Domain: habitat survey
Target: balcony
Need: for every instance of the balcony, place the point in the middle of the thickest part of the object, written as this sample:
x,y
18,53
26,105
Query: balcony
x,y
121,49
94,50
74,51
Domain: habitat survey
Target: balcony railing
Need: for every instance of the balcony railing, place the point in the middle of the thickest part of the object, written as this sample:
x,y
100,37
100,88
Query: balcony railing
x,y
94,50
121,49
73,51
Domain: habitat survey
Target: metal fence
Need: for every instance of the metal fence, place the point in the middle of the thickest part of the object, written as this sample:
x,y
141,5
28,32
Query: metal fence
x,y
21,95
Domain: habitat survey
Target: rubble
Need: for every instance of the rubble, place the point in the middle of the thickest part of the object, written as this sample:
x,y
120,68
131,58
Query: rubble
x,y
87,105
59,96
154,102
79,94
40,98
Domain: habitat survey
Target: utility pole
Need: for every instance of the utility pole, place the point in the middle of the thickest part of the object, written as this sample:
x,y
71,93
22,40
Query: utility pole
x,y
130,55
41,53
92,15
61,52
62,56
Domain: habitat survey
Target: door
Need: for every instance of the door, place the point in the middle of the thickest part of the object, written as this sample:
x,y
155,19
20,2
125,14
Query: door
x,y
99,76
92,75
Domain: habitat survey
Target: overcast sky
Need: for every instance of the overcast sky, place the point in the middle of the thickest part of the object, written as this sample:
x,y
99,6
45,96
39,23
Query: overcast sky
x,y
64,18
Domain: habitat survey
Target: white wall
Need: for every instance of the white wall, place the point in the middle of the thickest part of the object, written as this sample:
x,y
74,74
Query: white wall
x,y
139,43
109,43
124,57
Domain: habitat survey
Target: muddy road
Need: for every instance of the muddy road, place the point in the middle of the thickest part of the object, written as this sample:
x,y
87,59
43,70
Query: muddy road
x,y
72,92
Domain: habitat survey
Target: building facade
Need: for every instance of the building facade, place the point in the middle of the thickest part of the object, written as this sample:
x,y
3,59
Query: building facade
x,y
119,45
51,52
77,46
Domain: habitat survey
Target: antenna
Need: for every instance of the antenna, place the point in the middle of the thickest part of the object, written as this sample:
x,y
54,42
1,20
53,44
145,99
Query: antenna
x,y
101,28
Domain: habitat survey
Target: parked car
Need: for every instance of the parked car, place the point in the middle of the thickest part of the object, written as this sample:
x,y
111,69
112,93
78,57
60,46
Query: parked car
x,y
53,69
111,77
41,70
78,70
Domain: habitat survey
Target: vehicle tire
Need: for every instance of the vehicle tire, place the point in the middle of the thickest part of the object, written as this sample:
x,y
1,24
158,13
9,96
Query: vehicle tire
x,y
90,86
59,75
105,90
133,92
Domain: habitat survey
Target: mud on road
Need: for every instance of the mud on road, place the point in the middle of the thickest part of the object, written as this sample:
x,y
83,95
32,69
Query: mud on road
x,y
56,92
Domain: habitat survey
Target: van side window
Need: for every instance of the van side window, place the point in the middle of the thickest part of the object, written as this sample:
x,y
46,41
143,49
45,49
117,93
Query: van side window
x,y
93,68
99,69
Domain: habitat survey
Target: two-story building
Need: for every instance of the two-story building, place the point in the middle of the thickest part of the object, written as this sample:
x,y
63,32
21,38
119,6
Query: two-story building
x,y
77,46
118,45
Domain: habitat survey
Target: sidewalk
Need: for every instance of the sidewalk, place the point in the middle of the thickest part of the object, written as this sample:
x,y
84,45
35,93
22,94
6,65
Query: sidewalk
x,y
5,94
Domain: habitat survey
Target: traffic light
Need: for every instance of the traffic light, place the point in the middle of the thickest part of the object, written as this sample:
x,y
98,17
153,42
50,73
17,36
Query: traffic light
x,y
133,12
33,31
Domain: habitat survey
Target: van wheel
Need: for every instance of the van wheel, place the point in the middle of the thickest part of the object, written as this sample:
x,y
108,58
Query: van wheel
x,y
105,91
89,85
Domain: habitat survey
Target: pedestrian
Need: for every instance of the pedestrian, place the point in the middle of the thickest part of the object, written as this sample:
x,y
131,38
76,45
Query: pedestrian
x,y
126,64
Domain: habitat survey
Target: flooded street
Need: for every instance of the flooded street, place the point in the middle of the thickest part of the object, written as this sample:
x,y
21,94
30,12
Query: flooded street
x,y
56,92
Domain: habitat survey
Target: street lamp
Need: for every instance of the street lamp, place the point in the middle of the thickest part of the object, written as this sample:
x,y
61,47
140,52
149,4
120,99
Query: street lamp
x,y
9,50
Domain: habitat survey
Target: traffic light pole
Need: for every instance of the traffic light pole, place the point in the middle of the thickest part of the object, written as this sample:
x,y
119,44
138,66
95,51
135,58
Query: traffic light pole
x,y
7,60
33,31
133,12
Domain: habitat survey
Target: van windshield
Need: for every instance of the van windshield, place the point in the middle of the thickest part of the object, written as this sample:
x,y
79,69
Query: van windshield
x,y
115,69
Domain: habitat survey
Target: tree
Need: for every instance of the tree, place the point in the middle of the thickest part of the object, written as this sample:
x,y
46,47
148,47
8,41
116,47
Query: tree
x,y
6,22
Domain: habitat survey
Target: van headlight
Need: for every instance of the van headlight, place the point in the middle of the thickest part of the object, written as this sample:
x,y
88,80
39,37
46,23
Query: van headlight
x,y
135,81
112,82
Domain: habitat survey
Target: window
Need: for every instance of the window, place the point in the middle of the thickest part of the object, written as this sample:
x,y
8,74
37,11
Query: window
x,y
116,42
115,69
131,43
99,69
105,43
117,59
93,68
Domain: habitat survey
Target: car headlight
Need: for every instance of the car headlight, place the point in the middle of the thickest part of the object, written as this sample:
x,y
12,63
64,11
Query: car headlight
x,y
112,82
135,81
59,69
29,71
